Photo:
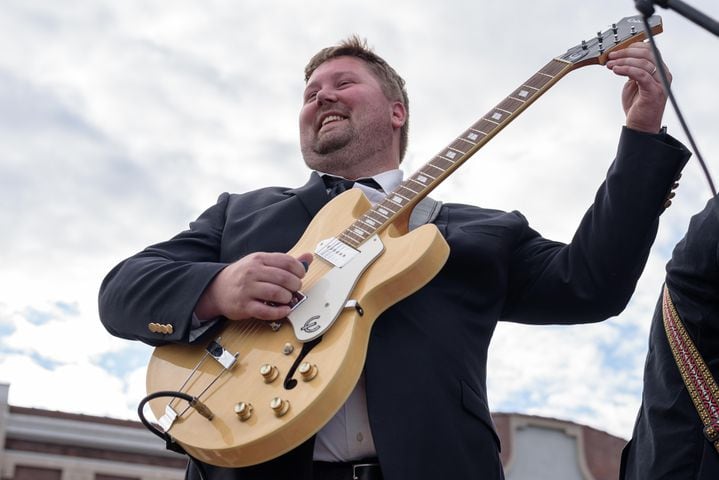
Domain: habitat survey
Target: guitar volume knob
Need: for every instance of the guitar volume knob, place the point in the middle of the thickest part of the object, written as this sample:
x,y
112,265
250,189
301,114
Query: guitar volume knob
x,y
308,371
269,372
279,406
243,411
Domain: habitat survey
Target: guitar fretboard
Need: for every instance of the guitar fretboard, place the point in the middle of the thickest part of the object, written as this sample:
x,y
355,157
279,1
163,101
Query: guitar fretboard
x,y
418,185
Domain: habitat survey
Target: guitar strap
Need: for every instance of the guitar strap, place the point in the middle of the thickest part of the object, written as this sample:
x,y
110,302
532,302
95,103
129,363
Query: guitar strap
x,y
698,379
425,211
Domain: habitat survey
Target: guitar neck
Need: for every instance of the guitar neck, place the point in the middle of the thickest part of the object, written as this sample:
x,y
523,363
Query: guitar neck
x,y
421,183
401,200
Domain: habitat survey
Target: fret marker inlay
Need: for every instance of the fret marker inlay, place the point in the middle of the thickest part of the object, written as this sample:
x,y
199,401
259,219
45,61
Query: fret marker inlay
x,y
523,93
472,136
497,116
450,154
422,179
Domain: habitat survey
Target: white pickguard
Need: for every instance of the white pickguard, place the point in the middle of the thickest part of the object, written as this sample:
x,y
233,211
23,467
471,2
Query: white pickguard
x,y
326,299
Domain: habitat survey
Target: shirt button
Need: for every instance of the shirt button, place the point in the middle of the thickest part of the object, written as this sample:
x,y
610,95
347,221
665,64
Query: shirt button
x,y
360,437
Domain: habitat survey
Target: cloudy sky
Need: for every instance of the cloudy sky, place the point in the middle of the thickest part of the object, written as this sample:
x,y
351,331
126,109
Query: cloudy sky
x,y
121,121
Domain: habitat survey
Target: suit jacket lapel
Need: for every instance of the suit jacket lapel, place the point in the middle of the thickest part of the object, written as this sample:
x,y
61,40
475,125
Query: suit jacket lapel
x,y
312,195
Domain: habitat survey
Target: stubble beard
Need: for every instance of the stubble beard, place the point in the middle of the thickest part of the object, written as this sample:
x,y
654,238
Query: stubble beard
x,y
342,151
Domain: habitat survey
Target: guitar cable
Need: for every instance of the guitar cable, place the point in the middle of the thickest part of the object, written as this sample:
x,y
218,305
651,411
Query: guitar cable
x,y
667,88
170,443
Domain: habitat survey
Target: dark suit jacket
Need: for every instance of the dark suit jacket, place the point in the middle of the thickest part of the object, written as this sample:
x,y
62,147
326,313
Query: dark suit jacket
x,y
431,419
668,442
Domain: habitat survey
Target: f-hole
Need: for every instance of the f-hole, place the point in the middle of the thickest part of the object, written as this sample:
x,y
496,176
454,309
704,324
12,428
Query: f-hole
x,y
290,382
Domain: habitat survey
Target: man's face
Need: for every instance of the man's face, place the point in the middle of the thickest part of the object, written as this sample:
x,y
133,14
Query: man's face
x,y
345,118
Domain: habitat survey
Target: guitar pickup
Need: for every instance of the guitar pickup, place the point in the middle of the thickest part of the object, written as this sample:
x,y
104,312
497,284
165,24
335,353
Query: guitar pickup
x,y
335,252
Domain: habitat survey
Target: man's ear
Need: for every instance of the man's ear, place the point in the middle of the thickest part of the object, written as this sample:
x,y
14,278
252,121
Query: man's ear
x,y
399,114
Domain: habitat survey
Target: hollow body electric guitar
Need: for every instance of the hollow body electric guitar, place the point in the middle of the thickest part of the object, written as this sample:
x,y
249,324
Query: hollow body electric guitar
x,y
259,389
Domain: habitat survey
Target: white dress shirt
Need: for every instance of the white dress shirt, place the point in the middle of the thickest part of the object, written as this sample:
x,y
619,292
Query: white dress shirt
x,y
347,436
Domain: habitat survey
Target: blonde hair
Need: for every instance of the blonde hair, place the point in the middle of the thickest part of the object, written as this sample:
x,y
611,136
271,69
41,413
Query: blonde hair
x,y
393,86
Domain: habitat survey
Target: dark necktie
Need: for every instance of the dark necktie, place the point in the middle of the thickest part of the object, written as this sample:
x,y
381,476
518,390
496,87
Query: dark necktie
x,y
337,185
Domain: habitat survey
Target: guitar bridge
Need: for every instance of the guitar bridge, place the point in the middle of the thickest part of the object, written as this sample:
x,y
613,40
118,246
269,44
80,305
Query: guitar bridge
x,y
223,357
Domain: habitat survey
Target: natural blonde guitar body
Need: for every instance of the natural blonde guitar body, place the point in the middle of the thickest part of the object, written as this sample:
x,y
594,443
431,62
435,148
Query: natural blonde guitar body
x,y
408,262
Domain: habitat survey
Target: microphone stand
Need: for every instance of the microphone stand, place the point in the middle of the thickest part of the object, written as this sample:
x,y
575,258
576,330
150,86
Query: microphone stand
x,y
646,7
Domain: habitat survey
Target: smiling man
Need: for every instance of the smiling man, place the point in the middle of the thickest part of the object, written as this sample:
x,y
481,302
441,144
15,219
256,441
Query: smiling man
x,y
419,409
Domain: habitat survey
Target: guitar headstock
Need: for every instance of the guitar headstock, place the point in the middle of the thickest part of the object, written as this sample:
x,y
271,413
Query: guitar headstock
x,y
623,33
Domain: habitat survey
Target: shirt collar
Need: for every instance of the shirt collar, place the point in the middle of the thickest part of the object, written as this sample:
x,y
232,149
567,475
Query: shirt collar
x,y
388,180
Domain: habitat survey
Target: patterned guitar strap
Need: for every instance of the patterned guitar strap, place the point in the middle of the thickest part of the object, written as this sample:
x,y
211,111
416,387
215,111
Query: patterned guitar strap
x,y
698,379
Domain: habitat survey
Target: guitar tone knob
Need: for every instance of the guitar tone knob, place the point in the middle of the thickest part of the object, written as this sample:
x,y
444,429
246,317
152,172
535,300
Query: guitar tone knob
x,y
279,406
288,348
269,372
243,411
308,371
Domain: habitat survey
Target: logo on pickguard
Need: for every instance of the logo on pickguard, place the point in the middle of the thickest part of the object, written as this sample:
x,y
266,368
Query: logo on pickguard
x,y
311,325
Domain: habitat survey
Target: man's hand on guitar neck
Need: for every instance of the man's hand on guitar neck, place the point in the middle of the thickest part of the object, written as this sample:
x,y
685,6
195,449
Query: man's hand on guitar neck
x,y
259,286
643,96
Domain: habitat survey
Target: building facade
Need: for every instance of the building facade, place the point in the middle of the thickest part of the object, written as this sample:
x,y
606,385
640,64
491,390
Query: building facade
x,y
38,444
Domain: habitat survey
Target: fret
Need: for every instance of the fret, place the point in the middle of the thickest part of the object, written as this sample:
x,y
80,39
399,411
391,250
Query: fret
x,y
442,163
510,105
484,126
524,93
448,155
369,222
354,236
460,145
405,186
360,232
344,238
497,116
361,226
422,185
396,199
434,175
403,197
554,68
375,217
383,213
388,207
405,192
539,81
464,140
473,135
422,177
